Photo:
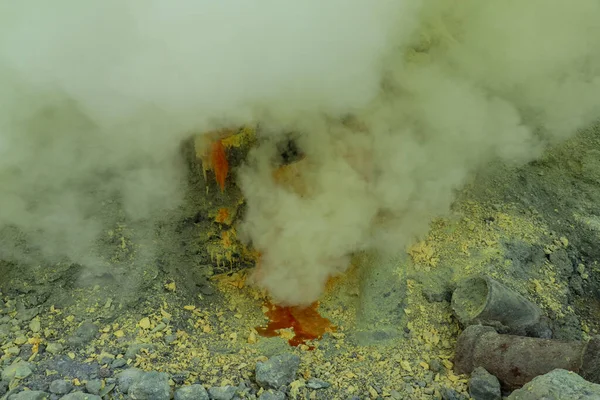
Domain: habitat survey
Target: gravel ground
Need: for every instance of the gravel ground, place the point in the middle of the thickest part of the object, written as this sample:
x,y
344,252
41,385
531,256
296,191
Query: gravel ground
x,y
179,320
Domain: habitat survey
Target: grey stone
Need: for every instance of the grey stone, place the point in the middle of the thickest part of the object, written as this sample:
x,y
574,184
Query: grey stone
x,y
192,392
60,386
86,332
20,370
30,395
127,378
54,348
222,393
272,395
118,363
278,371
151,386
94,386
4,330
24,314
314,383
80,396
484,386
557,385
170,339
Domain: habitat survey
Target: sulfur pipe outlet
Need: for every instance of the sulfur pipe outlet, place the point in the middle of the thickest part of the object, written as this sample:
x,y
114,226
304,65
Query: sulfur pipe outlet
x,y
516,360
482,300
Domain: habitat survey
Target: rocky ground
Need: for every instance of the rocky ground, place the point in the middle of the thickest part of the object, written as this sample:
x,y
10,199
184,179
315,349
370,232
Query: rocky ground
x,y
169,314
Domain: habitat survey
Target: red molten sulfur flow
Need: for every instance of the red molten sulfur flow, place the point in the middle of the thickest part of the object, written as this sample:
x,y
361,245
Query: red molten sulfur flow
x,y
306,322
219,163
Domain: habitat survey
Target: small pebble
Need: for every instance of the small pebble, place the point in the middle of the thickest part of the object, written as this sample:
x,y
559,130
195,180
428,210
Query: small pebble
x,y
180,377
104,373
314,383
136,348
118,363
158,328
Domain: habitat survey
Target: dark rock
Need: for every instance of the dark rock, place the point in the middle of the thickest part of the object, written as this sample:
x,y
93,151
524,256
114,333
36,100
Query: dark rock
x,y
560,259
104,373
84,334
26,351
180,377
567,328
484,386
451,394
41,385
576,285
65,366
541,329
192,392
278,371
151,386
435,365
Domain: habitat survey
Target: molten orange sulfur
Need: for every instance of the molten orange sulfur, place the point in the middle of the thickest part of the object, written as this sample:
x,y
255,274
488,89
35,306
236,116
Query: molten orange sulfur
x,y
219,163
306,322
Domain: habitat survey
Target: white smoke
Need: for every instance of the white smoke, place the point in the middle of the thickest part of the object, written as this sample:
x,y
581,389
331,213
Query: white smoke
x,y
97,97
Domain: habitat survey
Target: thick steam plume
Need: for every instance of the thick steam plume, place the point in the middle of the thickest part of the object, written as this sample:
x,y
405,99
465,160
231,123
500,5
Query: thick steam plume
x,y
396,104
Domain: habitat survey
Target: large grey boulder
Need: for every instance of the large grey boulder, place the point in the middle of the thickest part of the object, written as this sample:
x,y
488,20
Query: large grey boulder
x,y
558,385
